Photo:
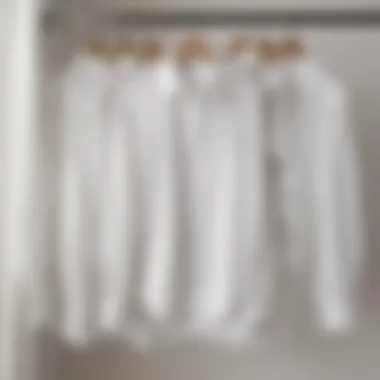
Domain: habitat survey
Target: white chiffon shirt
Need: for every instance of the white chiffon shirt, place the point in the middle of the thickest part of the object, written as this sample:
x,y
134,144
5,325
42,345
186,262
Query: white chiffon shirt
x,y
165,206
319,187
84,93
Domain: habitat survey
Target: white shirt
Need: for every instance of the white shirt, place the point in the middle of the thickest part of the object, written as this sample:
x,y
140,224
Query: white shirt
x,y
154,89
252,265
83,98
319,180
118,230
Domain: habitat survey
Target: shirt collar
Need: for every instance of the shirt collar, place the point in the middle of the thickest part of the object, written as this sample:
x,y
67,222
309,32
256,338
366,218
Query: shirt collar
x,y
201,72
298,71
162,74
124,65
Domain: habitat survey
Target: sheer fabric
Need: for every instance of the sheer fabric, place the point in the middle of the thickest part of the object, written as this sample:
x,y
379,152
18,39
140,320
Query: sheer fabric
x,y
168,220
312,133
118,209
83,113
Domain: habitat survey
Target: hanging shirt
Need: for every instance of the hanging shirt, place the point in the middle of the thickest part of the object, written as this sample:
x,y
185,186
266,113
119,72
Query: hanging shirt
x,y
117,233
251,264
280,103
208,142
320,190
153,92
83,99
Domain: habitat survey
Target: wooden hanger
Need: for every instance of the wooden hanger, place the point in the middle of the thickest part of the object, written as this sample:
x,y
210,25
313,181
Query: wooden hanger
x,y
194,48
269,50
149,50
96,48
123,47
294,48
240,45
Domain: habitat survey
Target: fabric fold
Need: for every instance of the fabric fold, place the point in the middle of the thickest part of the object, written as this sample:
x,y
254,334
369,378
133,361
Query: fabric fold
x,y
117,232
83,94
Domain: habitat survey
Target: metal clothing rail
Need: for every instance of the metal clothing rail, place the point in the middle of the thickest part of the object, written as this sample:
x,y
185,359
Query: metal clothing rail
x,y
332,18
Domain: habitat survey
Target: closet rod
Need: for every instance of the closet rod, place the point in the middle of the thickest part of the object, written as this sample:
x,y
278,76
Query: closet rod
x,y
231,18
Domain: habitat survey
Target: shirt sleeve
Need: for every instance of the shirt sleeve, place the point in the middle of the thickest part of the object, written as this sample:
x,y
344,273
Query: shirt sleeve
x,y
340,223
70,256
117,213
80,136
